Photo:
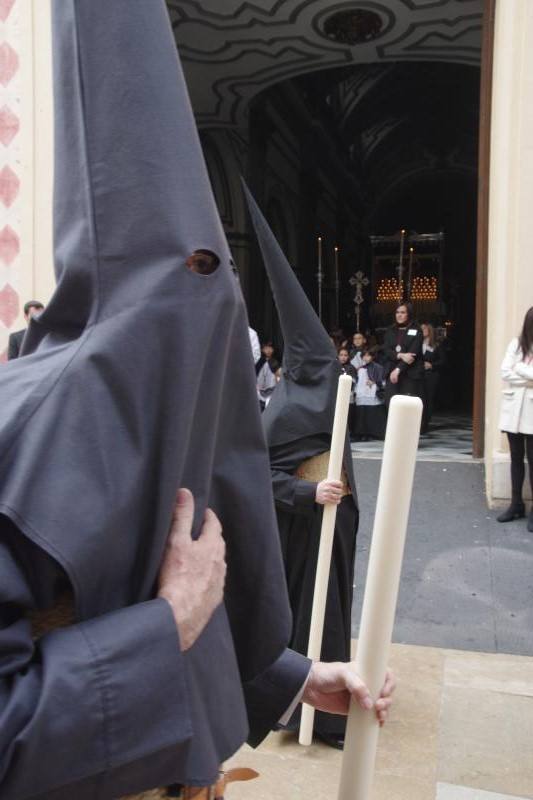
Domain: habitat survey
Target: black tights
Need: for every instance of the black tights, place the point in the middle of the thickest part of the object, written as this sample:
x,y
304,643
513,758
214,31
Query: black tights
x,y
520,444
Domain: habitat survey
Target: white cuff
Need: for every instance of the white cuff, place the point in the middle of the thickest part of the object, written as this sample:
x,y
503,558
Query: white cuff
x,y
292,708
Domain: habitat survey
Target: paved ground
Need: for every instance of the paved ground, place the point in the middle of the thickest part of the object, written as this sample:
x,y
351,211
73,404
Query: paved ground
x,y
462,724
449,439
461,729
467,580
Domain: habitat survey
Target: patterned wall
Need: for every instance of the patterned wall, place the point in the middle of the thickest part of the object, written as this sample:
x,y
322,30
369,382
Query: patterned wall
x,y
10,167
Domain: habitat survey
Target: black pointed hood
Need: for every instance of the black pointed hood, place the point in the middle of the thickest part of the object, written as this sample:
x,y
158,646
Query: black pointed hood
x,y
113,408
303,403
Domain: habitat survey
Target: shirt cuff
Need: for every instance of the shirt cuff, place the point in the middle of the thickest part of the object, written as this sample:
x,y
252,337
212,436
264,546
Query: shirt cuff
x,y
284,720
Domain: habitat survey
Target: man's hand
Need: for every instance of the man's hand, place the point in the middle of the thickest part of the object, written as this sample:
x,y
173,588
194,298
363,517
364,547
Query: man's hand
x,y
407,358
330,687
192,573
395,374
328,492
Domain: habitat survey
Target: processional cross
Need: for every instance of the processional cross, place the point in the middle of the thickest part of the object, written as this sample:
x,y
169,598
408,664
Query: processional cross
x,y
359,280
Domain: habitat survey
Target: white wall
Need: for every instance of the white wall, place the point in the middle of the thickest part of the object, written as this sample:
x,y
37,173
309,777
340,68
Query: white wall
x,y
510,267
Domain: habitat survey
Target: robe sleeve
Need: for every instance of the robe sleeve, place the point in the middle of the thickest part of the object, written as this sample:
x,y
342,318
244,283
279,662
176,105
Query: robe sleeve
x,y
292,493
96,709
270,694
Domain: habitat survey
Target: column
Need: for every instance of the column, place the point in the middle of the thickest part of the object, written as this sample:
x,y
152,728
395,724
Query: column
x,y
510,264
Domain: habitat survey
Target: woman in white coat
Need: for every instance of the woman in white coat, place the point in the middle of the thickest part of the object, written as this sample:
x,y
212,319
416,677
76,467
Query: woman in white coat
x,y
516,417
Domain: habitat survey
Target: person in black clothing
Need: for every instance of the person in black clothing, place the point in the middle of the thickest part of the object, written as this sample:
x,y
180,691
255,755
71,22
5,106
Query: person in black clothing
x,y
297,425
433,359
402,350
31,308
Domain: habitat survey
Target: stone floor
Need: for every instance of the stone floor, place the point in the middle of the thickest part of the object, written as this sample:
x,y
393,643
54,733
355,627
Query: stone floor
x,y
449,439
467,580
461,729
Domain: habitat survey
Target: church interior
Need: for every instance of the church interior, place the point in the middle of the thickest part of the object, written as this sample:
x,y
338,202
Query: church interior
x,y
351,123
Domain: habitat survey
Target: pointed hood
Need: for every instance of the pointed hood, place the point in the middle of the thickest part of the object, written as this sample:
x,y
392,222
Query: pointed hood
x,y
304,401
112,408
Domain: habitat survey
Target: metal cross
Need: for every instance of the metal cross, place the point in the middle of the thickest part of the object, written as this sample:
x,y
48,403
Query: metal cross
x,y
359,280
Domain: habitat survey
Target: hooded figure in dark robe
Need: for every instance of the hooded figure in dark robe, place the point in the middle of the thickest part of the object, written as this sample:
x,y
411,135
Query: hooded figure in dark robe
x,y
298,424
113,409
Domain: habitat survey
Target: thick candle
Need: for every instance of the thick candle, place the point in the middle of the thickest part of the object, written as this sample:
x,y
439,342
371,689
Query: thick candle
x,y
381,593
327,530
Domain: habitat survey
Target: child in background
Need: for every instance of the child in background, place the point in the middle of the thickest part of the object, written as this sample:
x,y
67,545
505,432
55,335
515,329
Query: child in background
x,y
356,353
348,369
266,370
371,415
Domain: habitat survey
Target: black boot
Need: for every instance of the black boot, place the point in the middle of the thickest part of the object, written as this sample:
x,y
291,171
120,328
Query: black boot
x,y
516,510
530,521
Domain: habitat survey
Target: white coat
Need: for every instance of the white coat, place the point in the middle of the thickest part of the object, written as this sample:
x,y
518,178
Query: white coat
x,y
516,415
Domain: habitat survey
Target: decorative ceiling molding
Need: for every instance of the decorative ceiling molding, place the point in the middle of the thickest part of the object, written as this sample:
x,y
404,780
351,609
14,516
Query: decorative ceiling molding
x,y
233,50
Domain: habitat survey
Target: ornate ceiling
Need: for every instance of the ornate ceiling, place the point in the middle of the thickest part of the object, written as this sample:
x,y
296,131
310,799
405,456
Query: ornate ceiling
x,y
231,50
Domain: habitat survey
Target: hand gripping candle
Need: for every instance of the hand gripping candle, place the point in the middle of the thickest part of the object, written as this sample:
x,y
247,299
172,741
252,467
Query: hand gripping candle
x,y
381,593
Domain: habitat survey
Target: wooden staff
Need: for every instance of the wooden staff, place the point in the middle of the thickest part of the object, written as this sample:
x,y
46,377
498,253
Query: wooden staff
x,y
329,515
381,593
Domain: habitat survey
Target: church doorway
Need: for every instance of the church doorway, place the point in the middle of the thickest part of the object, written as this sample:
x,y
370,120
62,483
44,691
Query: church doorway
x,y
350,123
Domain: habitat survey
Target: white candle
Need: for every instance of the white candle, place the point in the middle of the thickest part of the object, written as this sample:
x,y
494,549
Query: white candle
x,y
410,275
338,438
337,286
381,593
319,277
400,268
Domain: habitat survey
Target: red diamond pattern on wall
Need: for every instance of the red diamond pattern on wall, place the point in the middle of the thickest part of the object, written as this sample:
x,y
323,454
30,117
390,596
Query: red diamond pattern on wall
x,y
9,244
9,305
5,8
9,125
9,63
9,186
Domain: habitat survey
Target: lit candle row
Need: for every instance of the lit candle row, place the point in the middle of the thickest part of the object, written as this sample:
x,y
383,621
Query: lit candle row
x,y
423,288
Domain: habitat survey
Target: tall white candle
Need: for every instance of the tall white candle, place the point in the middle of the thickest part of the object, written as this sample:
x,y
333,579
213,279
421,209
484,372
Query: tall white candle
x,y
329,515
400,266
381,593
337,285
410,273
320,278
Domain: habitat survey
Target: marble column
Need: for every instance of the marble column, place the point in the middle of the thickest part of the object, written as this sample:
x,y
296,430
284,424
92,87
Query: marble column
x,y
510,264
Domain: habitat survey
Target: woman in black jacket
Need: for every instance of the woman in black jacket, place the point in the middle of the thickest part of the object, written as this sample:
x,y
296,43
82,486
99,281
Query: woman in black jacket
x,y
402,350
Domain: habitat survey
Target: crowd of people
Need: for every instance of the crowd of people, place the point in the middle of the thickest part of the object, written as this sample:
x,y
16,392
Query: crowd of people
x,y
405,359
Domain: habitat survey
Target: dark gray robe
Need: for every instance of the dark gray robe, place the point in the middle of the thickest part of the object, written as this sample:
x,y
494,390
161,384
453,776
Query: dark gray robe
x,y
299,522
113,409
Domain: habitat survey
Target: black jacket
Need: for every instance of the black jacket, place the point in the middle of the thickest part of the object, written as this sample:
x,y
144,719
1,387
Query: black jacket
x,y
15,343
409,340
